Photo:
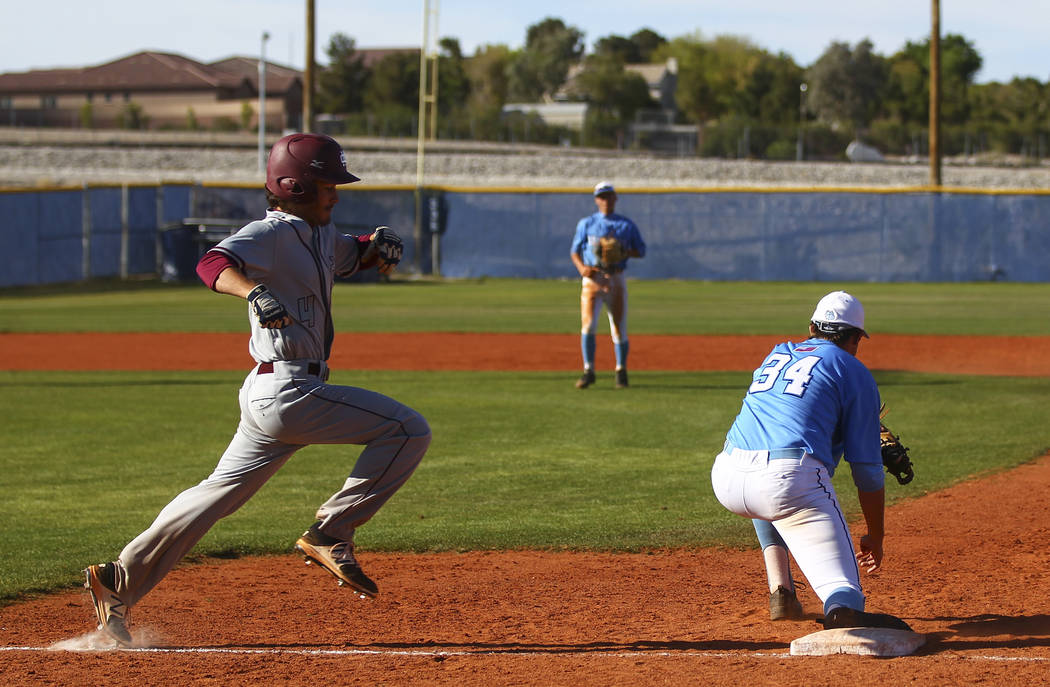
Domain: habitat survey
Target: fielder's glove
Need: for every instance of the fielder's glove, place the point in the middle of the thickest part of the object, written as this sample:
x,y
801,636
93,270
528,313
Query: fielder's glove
x,y
268,310
894,454
610,252
386,248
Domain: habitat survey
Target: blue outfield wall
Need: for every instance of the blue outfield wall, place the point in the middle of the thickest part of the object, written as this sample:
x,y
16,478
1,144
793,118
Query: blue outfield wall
x,y
704,234
763,235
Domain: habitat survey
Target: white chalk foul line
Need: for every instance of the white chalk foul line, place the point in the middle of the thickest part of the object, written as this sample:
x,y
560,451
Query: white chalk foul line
x,y
443,653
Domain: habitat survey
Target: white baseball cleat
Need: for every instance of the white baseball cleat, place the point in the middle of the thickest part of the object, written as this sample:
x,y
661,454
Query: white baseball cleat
x,y
112,613
337,557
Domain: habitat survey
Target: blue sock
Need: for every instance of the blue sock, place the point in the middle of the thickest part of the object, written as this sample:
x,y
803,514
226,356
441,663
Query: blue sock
x,y
621,349
844,596
588,344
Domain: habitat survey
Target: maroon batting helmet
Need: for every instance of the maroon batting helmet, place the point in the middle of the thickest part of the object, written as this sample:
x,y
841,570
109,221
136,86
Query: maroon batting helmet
x,y
298,161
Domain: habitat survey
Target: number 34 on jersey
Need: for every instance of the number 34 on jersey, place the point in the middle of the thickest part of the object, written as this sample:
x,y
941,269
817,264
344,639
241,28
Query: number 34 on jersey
x,y
796,376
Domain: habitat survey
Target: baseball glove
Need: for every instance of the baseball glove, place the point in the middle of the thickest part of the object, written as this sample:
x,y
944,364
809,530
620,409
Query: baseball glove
x,y
610,251
894,454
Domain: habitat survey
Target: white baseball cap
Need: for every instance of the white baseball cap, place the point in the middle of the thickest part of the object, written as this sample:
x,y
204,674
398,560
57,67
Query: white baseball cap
x,y
840,310
603,187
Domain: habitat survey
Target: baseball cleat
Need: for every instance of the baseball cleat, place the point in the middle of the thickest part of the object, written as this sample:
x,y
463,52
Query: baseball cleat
x,y
621,379
585,380
848,617
337,557
784,605
110,610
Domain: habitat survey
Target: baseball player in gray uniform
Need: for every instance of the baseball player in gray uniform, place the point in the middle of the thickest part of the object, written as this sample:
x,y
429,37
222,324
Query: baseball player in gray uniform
x,y
284,266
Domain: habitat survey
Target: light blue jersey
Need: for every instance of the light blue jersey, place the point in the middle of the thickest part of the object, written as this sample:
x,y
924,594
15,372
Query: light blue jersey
x,y
593,227
816,396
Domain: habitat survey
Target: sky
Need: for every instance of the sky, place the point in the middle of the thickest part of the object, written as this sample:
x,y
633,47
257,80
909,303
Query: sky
x,y
1009,34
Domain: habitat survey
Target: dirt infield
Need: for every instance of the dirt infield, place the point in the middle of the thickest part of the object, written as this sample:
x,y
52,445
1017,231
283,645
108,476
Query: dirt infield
x,y
966,566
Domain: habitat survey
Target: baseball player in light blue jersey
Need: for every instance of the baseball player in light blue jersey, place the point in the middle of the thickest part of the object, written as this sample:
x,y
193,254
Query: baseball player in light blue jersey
x,y
284,266
602,279
808,405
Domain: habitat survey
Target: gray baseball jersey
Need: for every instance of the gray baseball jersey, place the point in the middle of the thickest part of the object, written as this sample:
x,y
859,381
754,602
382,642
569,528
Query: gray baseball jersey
x,y
286,404
297,263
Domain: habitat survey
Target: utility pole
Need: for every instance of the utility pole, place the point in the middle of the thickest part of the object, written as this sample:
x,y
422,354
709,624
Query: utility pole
x,y
935,93
800,153
308,72
262,102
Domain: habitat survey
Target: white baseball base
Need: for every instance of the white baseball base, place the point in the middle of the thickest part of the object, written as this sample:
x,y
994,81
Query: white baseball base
x,y
865,641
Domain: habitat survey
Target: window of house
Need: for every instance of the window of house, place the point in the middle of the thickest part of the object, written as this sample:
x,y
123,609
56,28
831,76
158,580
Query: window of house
x,y
5,103
90,96
127,96
48,102
109,97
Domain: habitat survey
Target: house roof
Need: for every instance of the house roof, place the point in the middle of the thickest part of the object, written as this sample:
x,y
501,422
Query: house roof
x,y
146,71
278,76
370,56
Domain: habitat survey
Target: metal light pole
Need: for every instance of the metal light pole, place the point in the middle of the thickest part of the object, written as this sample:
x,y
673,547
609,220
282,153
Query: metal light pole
x,y
308,71
799,147
262,102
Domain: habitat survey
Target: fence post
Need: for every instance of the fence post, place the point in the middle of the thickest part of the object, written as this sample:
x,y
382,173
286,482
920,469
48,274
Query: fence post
x,y
85,232
124,212
158,248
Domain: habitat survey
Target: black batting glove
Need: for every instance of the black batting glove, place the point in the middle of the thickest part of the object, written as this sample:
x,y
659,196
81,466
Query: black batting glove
x,y
268,310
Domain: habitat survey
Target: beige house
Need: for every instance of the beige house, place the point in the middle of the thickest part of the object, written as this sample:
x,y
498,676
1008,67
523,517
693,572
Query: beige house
x,y
158,90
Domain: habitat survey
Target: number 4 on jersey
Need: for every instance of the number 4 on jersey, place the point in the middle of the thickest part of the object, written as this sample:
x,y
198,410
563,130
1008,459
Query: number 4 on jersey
x,y
797,376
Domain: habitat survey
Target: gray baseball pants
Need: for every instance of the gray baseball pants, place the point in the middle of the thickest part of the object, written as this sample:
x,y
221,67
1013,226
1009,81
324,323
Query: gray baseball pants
x,y
281,412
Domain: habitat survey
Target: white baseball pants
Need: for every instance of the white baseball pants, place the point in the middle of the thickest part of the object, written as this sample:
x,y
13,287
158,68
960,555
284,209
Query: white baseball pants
x,y
797,496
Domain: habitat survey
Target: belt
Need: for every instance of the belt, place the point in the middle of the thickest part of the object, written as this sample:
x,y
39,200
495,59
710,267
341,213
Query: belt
x,y
312,369
776,453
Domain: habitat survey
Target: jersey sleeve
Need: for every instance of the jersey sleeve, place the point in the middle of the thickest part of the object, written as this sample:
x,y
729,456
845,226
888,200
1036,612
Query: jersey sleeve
x,y
860,425
637,243
347,254
579,240
252,248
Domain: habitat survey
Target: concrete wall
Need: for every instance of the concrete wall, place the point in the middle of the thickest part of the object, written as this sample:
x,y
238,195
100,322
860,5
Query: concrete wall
x,y
69,234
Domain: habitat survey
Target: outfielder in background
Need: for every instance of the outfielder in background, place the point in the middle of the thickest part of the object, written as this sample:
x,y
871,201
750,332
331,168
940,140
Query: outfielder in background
x,y
809,404
284,266
600,249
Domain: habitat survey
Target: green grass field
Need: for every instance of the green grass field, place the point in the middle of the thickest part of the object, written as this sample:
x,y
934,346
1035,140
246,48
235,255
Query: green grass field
x,y
519,460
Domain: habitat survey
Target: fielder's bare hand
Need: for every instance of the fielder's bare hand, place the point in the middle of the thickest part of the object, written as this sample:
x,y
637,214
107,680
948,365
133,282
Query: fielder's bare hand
x,y
870,555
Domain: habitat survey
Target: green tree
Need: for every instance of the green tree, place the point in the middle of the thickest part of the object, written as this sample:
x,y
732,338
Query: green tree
x,y
453,81
907,96
847,85
132,117
394,82
343,82
605,84
619,47
541,66
730,76
87,116
648,42
247,112
487,74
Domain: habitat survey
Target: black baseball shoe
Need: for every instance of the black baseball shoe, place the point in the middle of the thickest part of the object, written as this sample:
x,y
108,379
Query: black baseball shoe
x,y
585,380
111,612
337,557
784,605
621,378
848,617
